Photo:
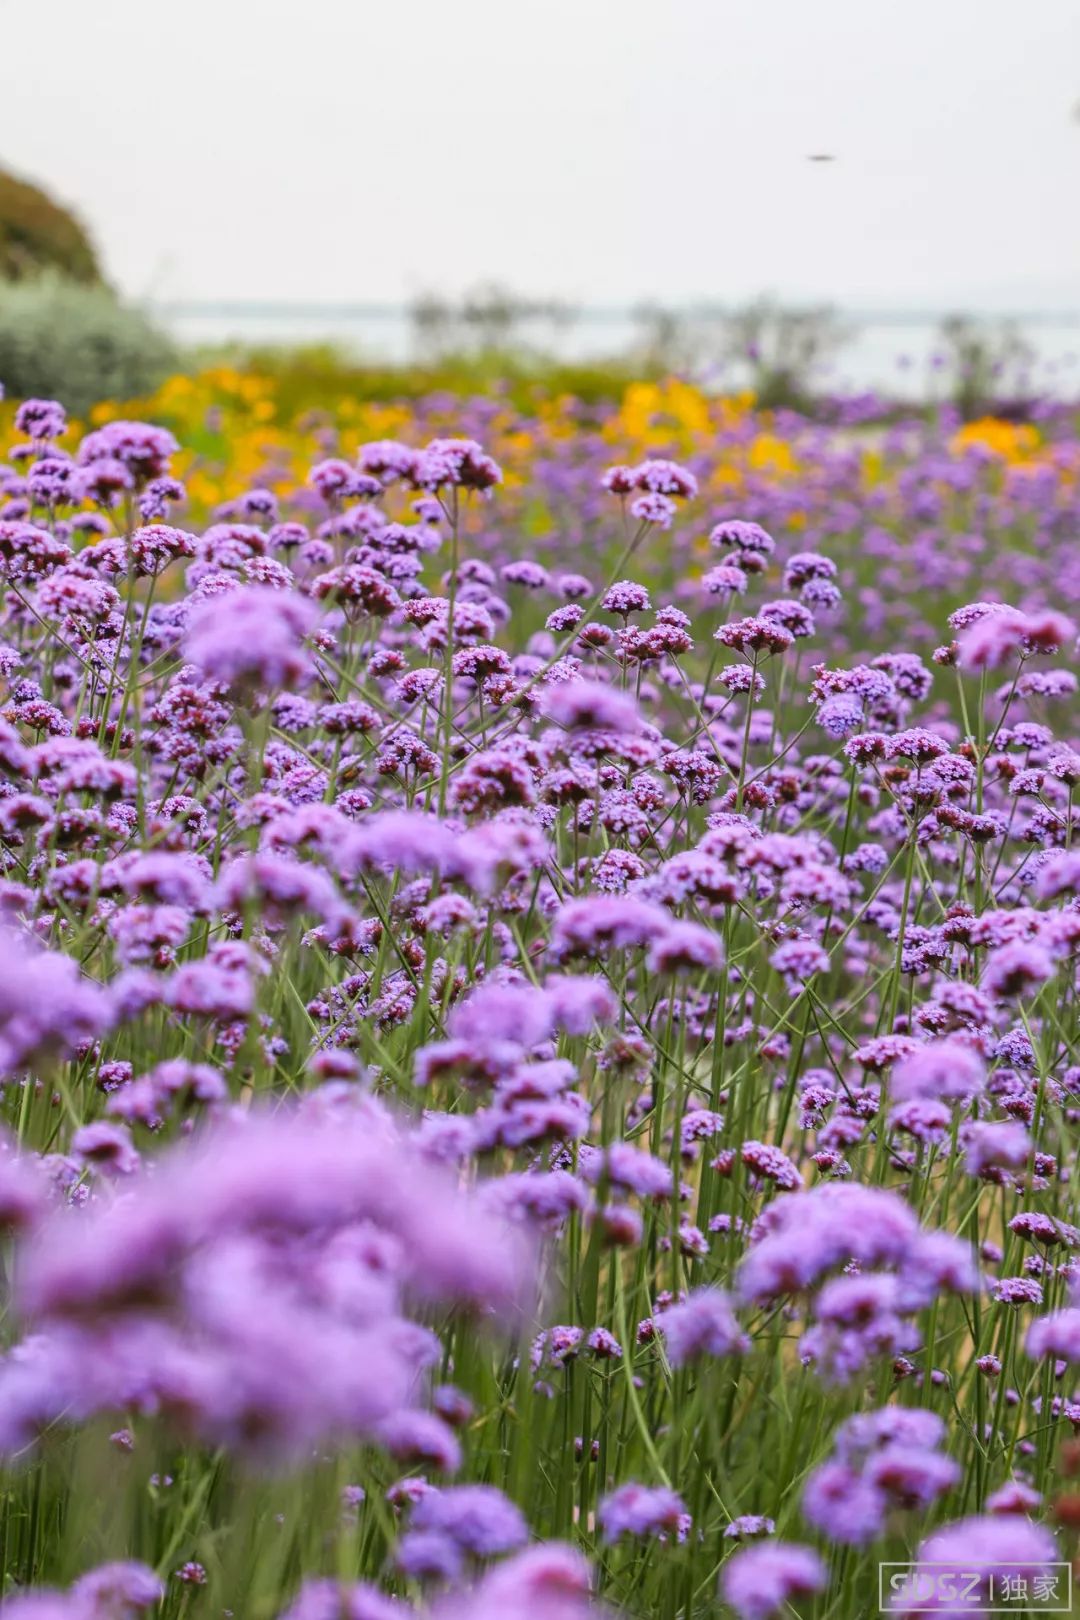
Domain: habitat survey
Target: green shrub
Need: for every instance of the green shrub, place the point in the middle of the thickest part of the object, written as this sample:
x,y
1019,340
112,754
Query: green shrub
x,y
311,377
77,344
37,235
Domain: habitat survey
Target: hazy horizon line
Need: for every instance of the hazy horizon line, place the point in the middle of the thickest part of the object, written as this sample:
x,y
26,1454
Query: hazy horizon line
x,y
378,309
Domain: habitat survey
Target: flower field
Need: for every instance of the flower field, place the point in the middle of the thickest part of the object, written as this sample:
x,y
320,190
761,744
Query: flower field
x,y
538,1038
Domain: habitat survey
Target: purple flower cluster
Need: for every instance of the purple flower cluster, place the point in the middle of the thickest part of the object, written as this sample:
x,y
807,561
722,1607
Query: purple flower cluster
x,y
254,1289
578,1045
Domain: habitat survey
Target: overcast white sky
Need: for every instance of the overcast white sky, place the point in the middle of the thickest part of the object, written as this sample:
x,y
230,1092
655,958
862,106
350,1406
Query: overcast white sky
x,y
602,150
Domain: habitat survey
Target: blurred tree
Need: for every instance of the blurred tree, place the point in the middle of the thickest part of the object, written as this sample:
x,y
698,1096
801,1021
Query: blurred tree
x,y
777,352
37,235
988,365
783,351
488,319
665,340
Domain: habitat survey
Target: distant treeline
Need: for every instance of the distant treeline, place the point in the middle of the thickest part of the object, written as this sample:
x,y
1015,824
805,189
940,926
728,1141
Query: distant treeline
x,y
778,351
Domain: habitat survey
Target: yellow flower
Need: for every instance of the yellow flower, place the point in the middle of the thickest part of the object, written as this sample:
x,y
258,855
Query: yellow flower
x,y
1012,441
